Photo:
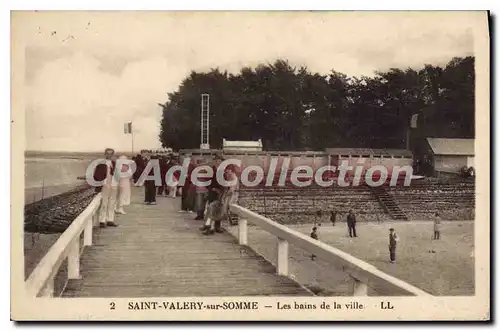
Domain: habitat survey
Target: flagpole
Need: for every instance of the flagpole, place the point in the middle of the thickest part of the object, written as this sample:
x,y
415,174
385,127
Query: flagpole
x,y
132,141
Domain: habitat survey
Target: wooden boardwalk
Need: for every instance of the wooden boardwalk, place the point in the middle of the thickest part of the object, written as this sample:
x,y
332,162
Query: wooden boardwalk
x,y
157,251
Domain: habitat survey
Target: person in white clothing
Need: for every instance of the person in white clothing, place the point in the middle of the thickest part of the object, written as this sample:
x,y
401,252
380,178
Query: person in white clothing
x,y
123,187
109,190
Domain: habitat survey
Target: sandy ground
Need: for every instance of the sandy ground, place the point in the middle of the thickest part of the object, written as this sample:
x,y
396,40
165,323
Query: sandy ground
x,y
441,267
36,245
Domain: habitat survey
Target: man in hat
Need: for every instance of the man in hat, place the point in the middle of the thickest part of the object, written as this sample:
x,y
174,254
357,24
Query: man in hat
x,y
351,224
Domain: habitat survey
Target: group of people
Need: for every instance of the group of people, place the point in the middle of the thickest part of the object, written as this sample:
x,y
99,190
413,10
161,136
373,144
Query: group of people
x,y
151,190
351,229
210,202
208,198
115,195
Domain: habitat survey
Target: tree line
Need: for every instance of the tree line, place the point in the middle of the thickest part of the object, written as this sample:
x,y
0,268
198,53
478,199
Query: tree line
x,y
291,108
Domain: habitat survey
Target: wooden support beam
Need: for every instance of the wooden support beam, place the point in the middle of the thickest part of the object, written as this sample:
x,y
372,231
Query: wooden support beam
x,y
74,260
242,232
282,257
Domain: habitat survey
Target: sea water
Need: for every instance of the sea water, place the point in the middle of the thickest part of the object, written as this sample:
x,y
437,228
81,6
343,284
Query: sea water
x,y
47,176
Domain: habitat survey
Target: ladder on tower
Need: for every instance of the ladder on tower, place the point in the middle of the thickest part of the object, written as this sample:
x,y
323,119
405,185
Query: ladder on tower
x,y
205,111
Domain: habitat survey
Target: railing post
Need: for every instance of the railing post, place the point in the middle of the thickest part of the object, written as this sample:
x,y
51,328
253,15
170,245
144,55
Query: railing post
x,y
282,261
87,233
48,290
242,232
95,217
74,260
359,288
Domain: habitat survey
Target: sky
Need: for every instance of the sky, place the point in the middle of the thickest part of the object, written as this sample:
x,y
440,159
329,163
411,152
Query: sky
x,y
88,73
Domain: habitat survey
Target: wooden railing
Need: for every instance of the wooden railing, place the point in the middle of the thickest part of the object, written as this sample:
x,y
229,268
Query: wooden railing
x,y
364,275
41,280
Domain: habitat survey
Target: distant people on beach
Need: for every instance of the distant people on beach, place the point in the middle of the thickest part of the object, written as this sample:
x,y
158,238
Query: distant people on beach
x,y
437,227
319,216
314,235
351,224
219,199
333,217
109,192
393,239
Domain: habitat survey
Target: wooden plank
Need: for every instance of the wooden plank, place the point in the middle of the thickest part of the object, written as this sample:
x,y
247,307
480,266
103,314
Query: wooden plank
x,y
157,251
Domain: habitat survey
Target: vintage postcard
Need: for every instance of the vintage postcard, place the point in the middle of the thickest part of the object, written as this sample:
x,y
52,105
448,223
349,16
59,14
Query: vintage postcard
x,y
250,166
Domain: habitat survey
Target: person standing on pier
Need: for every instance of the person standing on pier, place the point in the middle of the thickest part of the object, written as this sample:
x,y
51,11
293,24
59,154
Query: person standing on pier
x,y
215,213
123,187
220,200
109,189
201,196
140,162
150,187
163,171
216,187
351,224
173,181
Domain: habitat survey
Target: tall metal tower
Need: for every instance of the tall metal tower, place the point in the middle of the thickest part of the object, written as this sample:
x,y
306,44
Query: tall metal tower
x,y
205,112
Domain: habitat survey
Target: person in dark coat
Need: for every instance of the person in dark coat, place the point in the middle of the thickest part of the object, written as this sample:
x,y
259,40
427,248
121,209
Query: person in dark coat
x,y
216,188
186,199
140,165
393,239
351,224
163,172
314,235
333,217
150,188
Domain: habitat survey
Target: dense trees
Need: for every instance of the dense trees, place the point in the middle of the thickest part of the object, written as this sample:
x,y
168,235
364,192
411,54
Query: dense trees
x,y
293,109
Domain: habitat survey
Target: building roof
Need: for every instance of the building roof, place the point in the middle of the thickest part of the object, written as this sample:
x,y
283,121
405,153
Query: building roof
x,y
369,151
241,143
451,146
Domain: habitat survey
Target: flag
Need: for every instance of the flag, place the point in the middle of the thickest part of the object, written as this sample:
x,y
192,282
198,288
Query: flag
x,y
128,128
414,120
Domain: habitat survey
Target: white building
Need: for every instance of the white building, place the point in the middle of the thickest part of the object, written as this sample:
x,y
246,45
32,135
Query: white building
x,y
247,145
451,155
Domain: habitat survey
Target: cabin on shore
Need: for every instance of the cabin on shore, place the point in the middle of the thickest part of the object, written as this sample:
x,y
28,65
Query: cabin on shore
x,y
449,155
